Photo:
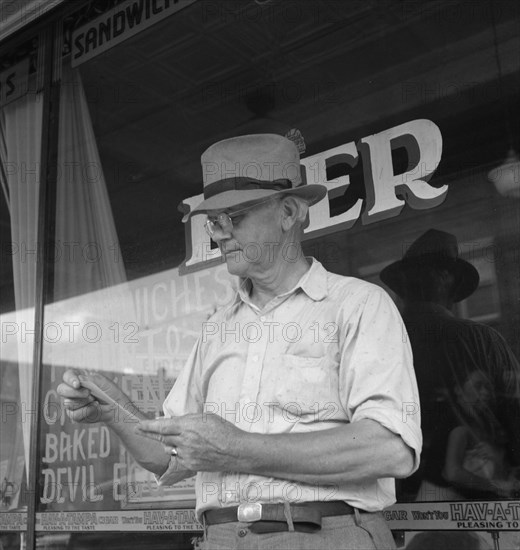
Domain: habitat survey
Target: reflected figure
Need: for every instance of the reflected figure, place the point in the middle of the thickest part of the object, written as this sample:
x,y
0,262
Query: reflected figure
x,y
448,351
476,458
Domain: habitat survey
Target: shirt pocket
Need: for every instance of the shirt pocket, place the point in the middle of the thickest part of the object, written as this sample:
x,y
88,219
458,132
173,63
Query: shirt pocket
x,y
304,385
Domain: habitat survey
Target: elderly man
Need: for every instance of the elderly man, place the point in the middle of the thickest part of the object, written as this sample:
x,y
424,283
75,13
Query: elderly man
x,y
298,405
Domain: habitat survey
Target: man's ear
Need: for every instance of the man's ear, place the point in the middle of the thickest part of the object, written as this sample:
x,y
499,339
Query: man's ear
x,y
290,212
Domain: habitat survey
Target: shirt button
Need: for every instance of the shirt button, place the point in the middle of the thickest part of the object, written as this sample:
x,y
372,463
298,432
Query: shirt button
x,y
255,358
242,532
262,318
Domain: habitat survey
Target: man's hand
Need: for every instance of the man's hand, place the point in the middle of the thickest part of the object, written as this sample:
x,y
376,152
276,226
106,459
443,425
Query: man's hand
x,y
121,415
204,442
83,406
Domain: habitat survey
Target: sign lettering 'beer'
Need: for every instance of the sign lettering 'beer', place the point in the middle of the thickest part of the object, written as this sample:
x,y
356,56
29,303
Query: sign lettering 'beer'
x,y
386,192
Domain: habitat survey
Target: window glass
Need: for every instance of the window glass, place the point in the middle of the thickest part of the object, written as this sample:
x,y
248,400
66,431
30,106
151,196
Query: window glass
x,y
401,117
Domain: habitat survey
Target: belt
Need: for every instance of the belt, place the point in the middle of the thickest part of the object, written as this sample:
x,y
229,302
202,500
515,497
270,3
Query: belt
x,y
268,518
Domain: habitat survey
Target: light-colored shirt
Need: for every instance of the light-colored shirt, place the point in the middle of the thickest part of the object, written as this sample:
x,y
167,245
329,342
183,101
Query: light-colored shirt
x,y
332,350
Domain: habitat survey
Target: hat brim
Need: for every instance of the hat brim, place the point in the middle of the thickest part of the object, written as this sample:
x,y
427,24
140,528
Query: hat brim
x,y
466,275
311,193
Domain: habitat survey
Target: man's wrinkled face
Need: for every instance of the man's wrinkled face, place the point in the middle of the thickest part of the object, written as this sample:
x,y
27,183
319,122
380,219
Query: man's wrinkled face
x,y
250,243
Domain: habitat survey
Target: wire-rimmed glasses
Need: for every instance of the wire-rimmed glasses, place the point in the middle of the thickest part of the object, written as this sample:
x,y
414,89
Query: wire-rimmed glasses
x,y
224,221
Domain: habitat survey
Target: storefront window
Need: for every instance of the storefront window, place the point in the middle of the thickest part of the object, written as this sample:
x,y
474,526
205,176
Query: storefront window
x,y
400,109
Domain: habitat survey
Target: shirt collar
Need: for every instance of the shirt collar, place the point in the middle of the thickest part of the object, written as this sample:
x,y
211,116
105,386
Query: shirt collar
x,y
313,282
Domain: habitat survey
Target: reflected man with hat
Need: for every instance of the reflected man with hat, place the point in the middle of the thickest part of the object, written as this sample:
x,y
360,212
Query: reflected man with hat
x,y
452,356
298,405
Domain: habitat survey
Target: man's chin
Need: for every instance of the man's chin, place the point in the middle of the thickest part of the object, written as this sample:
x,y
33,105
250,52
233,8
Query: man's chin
x,y
235,262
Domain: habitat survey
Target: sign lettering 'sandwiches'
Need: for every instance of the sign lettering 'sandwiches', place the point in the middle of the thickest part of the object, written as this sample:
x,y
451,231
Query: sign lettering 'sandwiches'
x,y
386,192
122,22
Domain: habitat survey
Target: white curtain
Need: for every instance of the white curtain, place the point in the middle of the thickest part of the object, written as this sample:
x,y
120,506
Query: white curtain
x,y
86,236
89,275
20,145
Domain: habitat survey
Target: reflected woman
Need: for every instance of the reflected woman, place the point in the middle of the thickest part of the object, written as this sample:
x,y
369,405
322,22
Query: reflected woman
x,y
476,459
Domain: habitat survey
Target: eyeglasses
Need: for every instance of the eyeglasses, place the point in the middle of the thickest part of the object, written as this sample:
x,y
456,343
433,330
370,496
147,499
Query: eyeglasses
x,y
224,221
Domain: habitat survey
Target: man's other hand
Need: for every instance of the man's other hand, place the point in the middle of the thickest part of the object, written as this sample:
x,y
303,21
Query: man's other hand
x,y
203,442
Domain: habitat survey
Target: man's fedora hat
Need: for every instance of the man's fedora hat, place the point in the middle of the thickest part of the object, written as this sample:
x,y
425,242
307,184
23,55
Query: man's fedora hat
x,y
251,168
433,249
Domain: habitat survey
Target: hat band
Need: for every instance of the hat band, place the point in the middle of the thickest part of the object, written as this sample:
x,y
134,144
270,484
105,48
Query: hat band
x,y
244,184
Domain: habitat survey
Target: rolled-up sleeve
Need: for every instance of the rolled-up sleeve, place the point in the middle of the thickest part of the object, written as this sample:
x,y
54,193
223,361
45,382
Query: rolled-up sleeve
x,y
377,379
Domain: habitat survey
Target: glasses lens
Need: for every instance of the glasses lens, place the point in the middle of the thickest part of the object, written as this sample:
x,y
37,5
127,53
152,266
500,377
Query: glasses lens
x,y
223,222
210,227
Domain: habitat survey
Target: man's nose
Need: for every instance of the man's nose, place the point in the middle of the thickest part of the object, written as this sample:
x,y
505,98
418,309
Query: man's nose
x,y
220,235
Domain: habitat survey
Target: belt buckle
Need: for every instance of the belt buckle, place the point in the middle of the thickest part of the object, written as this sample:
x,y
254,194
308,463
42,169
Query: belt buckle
x,y
249,512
